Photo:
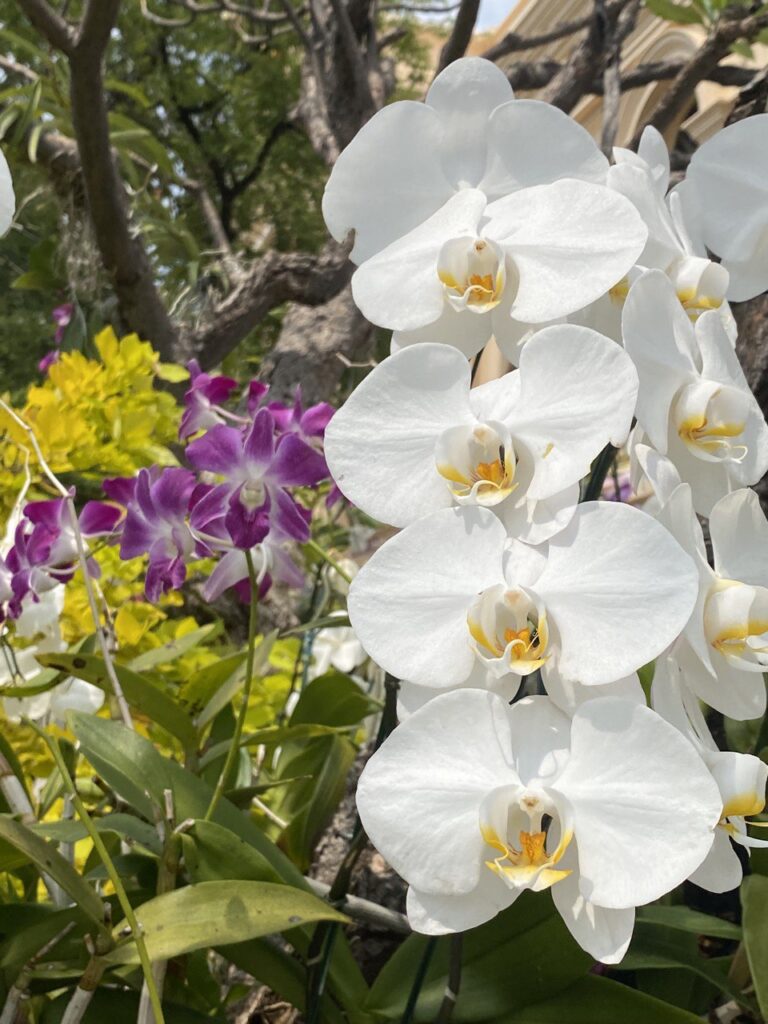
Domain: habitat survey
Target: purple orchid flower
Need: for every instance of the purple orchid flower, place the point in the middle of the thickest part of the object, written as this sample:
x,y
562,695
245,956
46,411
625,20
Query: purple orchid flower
x,y
272,561
156,524
48,360
62,317
307,423
257,468
256,394
28,576
52,541
205,393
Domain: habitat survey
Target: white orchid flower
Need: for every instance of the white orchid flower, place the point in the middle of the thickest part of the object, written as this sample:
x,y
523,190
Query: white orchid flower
x,y
473,270
336,647
700,284
741,778
724,646
451,596
473,802
413,437
727,177
694,403
7,198
39,619
410,158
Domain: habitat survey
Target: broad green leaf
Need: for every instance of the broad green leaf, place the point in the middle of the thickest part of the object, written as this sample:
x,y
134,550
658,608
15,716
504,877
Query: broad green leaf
x,y
593,1000
754,899
11,757
119,1006
270,737
50,862
520,957
27,939
680,14
684,919
212,852
226,692
309,806
333,699
124,825
139,692
219,913
283,974
138,772
202,696
175,648
658,946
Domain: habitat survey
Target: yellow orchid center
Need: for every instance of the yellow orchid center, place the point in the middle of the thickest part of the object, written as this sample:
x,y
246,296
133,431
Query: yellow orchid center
x,y
477,462
710,419
472,271
508,631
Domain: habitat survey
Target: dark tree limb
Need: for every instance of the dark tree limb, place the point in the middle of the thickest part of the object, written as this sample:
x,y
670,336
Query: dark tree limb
x,y
274,279
722,35
461,34
513,43
49,24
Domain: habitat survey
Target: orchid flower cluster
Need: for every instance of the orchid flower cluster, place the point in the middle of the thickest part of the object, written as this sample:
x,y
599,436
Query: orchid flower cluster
x,y
237,499
516,617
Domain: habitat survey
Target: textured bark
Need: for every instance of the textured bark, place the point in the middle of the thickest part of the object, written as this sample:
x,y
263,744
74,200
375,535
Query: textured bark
x,y
310,344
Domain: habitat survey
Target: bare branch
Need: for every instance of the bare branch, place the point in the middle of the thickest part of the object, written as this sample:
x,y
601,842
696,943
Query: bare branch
x,y
722,35
95,29
274,279
513,43
461,33
11,67
49,24
616,33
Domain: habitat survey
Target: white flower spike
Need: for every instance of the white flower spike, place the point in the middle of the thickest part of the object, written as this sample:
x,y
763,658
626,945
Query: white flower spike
x,y
473,802
471,270
741,778
724,646
410,158
451,595
413,437
727,176
694,403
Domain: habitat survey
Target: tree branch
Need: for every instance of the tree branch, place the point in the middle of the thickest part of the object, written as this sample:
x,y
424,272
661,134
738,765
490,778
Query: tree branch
x,y
513,43
723,34
461,34
274,279
49,24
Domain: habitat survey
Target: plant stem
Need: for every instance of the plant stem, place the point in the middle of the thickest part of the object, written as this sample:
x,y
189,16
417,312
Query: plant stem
x,y
114,877
82,558
445,1012
418,981
318,550
234,747
600,468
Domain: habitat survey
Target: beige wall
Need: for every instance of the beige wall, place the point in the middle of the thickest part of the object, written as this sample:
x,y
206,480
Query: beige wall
x,y
652,40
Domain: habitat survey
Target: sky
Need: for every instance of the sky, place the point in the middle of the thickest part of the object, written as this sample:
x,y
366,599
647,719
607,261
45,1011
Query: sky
x,y
492,12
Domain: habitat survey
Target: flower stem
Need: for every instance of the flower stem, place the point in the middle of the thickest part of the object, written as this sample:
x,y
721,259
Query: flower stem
x,y
114,877
600,468
234,747
318,550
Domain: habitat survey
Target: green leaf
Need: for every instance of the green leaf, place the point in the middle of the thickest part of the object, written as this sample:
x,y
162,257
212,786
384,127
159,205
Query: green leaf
x,y
309,806
520,957
26,939
270,737
175,648
124,825
139,773
595,1000
50,862
219,913
228,689
212,852
687,920
333,699
119,1006
283,973
754,900
677,13
657,946
139,692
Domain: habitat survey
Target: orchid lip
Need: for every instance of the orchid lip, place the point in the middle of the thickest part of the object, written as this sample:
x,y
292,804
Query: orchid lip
x,y
478,463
